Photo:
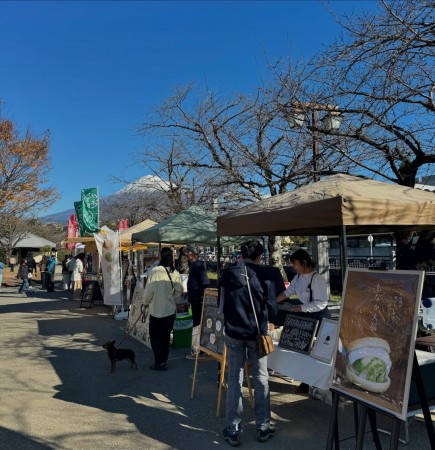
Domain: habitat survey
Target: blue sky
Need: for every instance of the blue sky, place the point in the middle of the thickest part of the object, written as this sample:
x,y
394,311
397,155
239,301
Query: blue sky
x,y
90,71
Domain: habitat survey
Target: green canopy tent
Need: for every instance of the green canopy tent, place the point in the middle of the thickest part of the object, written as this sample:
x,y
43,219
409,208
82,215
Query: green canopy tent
x,y
193,225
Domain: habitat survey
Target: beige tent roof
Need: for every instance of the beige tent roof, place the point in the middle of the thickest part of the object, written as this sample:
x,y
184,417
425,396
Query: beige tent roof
x,y
126,234
322,208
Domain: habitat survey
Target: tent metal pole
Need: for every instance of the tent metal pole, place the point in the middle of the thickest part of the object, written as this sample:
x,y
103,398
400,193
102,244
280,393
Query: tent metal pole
x,y
98,211
123,314
218,256
343,253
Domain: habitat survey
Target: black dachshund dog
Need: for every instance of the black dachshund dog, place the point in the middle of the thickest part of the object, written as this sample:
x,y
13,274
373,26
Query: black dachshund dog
x,y
118,354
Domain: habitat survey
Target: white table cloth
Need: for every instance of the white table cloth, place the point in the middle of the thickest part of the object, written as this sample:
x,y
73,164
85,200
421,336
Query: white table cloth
x,y
301,367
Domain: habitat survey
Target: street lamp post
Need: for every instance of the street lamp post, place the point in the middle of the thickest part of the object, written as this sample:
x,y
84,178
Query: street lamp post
x,y
315,122
330,121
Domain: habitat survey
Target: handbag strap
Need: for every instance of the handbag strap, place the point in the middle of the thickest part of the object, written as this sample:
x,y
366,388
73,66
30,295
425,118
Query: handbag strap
x,y
170,279
309,287
252,301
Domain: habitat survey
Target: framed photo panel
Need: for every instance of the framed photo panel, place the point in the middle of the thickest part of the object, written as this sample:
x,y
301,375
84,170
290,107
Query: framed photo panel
x,y
377,331
325,345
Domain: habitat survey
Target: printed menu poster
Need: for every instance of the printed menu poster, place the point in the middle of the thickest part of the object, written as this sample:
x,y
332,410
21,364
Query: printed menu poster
x,y
138,324
378,325
212,324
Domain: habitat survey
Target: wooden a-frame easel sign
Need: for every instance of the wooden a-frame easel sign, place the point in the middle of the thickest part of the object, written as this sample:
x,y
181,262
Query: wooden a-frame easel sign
x,y
212,341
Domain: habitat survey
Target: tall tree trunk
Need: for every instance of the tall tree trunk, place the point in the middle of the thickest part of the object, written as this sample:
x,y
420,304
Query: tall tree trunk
x,y
276,254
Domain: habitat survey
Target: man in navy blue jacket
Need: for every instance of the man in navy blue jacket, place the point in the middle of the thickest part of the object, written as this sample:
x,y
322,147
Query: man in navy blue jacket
x,y
197,282
241,338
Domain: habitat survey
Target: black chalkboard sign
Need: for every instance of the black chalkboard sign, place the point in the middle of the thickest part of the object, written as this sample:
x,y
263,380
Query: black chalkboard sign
x,y
298,333
212,324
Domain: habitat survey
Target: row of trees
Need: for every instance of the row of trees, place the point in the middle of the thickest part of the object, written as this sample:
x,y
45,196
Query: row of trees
x,y
24,164
378,79
223,151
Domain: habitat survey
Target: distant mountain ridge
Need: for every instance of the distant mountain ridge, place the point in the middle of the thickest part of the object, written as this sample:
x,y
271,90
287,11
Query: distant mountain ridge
x,y
147,183
60,217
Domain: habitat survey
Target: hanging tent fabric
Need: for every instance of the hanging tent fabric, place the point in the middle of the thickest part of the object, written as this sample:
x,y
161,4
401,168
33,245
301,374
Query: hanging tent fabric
x,y
359,205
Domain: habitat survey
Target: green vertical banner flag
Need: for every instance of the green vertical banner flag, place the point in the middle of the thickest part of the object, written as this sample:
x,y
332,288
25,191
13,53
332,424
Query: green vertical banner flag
x,y
90,210
79,214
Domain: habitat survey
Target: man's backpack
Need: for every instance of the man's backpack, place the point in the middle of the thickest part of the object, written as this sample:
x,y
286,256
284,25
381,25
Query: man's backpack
x,y
51,262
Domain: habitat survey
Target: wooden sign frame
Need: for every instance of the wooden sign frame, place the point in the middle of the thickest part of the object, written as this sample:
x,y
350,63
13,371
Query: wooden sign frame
x,y
210,295
378,319
138,322
211,333
304,333
212,326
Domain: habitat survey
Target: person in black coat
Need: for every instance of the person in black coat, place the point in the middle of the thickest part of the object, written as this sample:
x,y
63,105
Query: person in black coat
x,y
244,287
31,266
23,275
197,282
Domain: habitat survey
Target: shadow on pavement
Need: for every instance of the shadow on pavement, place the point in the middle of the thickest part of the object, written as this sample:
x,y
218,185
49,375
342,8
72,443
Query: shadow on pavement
x,y
157,404
11,439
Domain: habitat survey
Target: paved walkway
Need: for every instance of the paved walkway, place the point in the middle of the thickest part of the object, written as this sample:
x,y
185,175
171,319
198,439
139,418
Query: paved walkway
x,y
56,391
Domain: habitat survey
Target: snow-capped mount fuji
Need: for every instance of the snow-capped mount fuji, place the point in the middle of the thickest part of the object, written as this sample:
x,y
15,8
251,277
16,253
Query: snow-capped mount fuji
x,y
145,184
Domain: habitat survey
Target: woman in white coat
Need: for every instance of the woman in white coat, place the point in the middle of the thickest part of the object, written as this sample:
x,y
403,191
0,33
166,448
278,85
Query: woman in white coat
x,y
309,286
77,273
311,290
163,290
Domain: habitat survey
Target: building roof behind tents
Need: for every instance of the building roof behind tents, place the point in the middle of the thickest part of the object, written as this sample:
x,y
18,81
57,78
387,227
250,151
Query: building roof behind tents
x,y
33,241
